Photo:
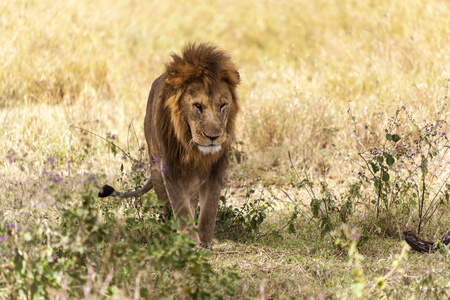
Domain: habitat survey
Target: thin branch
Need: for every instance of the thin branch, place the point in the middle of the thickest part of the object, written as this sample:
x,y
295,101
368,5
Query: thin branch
x,y
109,142
296,204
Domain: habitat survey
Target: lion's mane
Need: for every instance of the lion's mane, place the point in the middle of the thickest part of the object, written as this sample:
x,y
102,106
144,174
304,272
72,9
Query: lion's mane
x,y
208,65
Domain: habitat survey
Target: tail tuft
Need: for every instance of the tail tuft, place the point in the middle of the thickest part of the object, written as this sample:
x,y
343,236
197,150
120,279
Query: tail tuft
x,y
106,191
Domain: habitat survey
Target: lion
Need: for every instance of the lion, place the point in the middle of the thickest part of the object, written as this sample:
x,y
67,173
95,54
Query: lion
x,y
189,127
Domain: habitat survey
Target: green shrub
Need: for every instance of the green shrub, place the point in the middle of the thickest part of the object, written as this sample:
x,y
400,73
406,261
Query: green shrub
x,y
104,249
401,177
403,172
240,223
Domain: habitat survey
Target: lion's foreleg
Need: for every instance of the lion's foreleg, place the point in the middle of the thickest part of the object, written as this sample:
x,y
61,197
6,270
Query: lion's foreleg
x,y
185,214
181,207
209,201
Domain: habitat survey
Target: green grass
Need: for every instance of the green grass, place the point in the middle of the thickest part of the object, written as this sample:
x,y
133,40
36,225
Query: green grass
x,y
304,64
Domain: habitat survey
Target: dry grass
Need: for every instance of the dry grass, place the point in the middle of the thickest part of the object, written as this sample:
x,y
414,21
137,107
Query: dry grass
x,y
91,64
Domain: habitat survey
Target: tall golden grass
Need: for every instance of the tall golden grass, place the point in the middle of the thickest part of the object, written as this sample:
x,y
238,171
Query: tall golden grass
x,y
91,64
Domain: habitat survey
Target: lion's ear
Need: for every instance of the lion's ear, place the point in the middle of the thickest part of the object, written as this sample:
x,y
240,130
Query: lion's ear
x,y
232,78
174,79
238,77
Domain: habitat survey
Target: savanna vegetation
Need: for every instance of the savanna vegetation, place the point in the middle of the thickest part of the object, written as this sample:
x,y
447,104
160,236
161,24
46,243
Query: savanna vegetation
x,y
342,146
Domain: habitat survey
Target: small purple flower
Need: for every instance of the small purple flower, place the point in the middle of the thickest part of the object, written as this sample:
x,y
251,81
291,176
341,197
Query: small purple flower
x,y
51,159
2,238
356,236
124,157
140,166
11,226
156,159
57,178
113,137
164,169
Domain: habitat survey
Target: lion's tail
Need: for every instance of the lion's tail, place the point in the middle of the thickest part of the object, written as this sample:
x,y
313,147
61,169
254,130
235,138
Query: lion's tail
x,y
108,190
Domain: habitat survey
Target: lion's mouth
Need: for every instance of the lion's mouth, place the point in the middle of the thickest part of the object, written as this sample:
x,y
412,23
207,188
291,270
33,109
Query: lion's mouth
x,y
210,149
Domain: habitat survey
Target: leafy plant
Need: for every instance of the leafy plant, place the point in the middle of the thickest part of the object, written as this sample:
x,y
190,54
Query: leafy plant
x,y
240,222
404,166
98,249
327,208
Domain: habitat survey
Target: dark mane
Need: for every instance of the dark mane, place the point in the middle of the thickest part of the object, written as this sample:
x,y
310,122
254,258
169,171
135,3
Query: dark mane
x,y
201,62
197,62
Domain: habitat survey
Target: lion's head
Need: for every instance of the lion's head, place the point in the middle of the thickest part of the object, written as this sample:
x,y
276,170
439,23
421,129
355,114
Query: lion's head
x,y
201,96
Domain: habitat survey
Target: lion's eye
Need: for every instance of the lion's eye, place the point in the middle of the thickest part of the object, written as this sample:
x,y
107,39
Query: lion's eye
x,y
198,106
223,106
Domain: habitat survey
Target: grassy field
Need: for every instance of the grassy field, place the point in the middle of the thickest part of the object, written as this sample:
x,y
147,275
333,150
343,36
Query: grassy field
x,y
356,92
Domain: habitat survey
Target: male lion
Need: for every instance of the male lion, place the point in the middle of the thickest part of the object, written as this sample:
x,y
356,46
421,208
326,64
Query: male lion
x,y
189,127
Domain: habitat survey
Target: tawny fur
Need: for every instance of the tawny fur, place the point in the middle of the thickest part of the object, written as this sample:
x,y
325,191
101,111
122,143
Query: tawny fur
x,y
200,74
189,127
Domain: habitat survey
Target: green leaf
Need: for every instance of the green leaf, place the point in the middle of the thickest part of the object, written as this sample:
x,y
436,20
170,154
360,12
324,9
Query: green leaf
x,y
385,176
389,159
375,168
315,205
395,138
291,228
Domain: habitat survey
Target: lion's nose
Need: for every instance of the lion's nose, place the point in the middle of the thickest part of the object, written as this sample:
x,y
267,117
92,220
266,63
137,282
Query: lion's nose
x,y
212,138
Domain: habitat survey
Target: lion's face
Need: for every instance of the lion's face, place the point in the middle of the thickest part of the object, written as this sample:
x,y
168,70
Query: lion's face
x,y
206,112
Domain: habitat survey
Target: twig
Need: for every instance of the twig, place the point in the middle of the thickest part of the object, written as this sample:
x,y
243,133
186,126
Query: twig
x,y
296,204
109,142
135,135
